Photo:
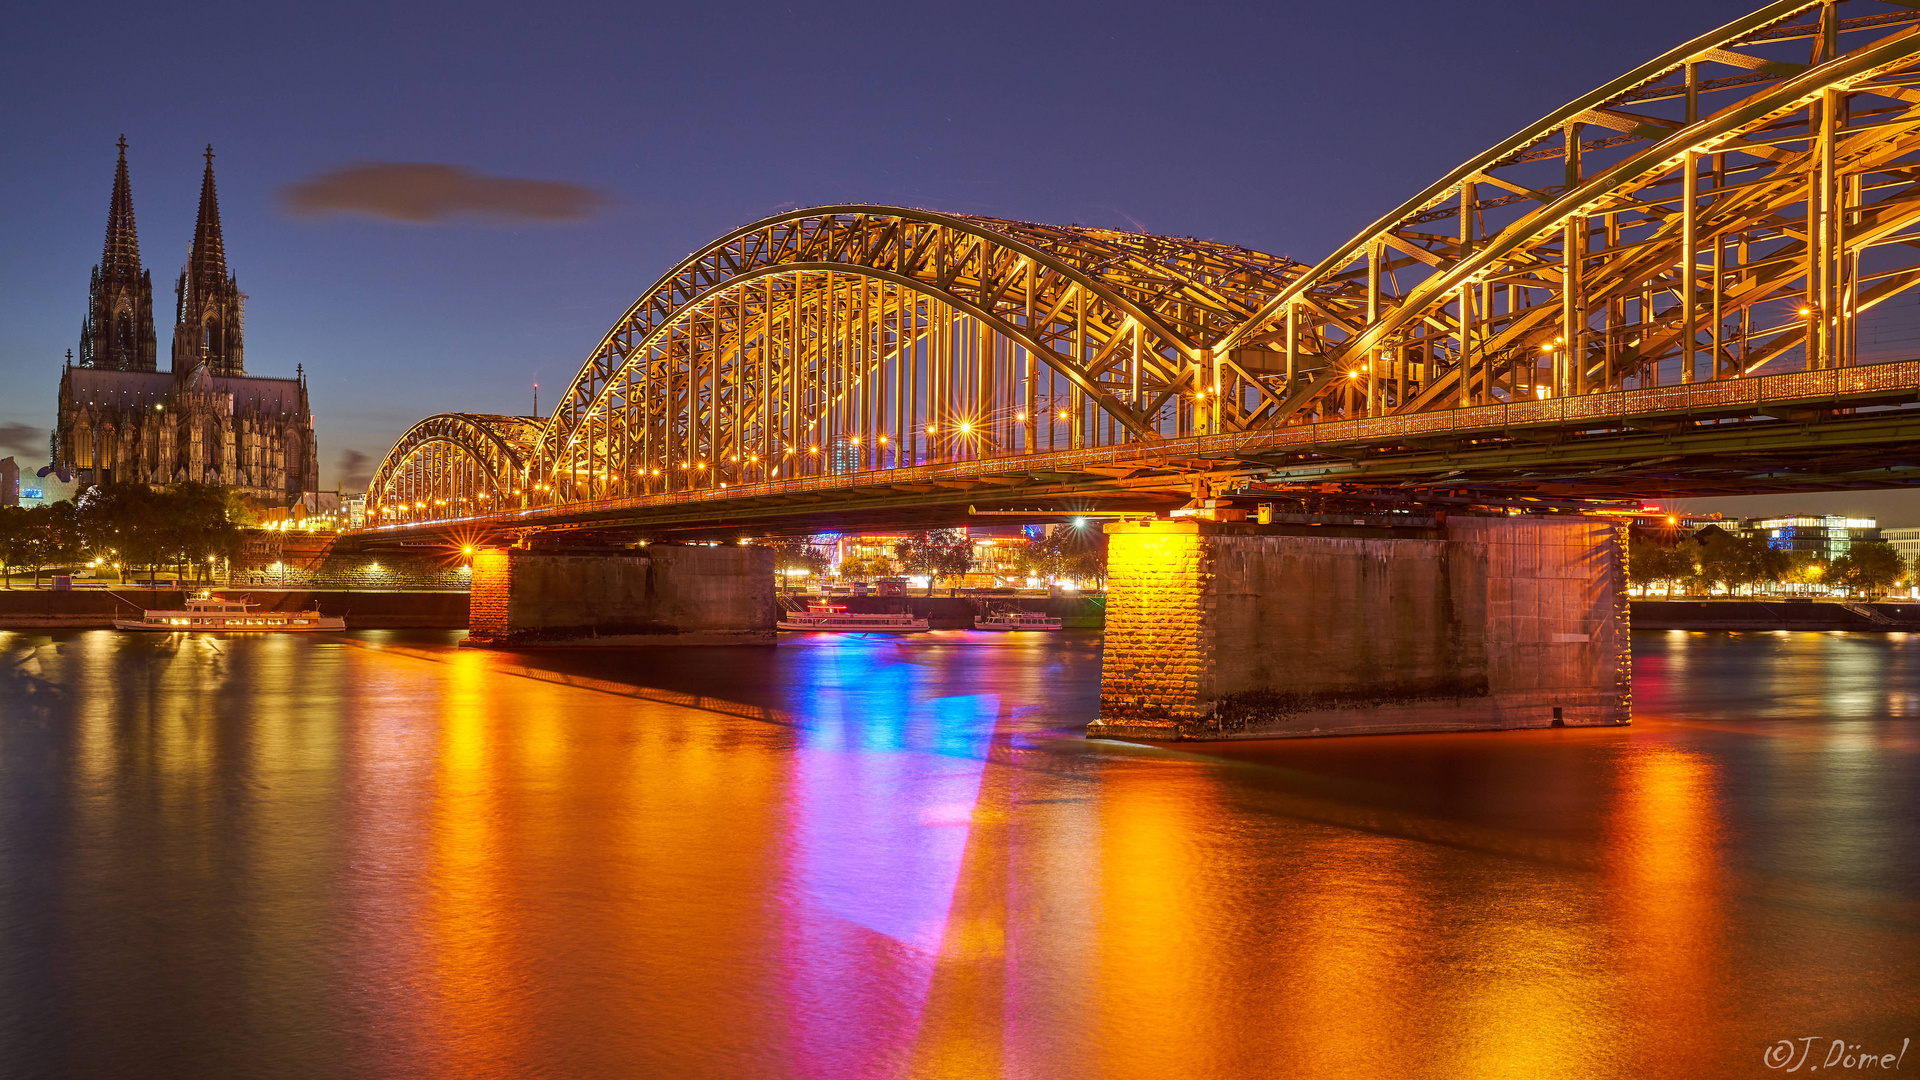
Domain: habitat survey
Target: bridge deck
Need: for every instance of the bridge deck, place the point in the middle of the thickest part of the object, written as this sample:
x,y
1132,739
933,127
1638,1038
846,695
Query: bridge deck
x,y
1731,436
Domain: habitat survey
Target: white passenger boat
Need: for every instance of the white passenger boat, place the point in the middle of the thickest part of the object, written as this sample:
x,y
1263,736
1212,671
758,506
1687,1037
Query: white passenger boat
x,y
217,613
1016,620
836,617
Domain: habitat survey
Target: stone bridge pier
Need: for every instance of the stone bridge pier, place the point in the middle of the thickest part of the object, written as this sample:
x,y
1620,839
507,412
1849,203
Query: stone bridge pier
x,y
1222,630
654,595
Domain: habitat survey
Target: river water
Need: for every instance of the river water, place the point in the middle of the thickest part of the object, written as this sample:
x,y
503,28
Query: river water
x,y
383,856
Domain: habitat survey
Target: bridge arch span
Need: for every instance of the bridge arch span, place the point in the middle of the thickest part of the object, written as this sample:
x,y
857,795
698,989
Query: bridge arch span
x,y
1733,205
454,465
852,338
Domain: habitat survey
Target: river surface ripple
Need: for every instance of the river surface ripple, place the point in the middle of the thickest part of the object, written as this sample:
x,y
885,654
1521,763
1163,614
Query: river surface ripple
x,y
383,856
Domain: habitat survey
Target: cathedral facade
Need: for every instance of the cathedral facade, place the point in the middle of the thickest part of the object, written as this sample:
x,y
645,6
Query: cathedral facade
x,y
206,420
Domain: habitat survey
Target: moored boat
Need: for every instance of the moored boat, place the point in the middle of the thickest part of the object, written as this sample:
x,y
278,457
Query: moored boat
x,y
219,613
836,618
1016,620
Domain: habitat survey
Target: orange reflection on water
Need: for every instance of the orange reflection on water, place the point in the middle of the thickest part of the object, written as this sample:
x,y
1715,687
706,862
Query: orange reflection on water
x,y
1153,909
859,859
469,911
1664,882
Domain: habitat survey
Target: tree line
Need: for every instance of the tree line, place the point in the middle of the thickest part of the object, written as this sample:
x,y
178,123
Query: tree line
x,y
1724,560
185,527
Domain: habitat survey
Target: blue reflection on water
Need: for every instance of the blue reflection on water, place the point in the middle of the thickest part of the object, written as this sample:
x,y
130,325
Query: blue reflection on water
x,y
886,788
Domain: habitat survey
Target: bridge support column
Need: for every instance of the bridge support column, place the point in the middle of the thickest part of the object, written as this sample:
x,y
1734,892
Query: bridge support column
x,y
1235,631
656,595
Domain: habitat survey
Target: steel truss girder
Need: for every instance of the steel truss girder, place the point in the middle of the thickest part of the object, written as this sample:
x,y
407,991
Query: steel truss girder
x,y
1665,251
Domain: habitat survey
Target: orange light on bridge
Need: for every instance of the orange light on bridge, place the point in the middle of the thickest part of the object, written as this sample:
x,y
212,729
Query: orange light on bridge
x,y
965,427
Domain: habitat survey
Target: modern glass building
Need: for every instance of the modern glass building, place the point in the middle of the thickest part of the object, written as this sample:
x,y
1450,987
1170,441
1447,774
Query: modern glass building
x,y
1828,537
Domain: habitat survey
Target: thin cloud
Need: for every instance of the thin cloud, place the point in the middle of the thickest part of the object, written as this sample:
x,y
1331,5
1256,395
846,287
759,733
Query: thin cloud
x,y
23,440
354,470
425,192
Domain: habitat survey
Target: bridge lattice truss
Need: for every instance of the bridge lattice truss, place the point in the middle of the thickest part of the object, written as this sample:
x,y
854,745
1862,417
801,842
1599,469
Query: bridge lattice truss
x,y
1732,208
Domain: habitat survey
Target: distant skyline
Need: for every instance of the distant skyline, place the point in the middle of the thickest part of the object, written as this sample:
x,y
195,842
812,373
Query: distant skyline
x,y
432,207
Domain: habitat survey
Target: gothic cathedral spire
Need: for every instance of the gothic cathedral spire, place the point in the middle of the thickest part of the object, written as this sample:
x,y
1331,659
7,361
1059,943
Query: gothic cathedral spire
x,y
118,331
207,330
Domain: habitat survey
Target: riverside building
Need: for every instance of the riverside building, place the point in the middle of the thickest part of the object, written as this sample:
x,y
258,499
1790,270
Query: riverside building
x,y
1827,537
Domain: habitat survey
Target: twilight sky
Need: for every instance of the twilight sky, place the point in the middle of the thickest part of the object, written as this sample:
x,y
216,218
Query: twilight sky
x,y
1282,126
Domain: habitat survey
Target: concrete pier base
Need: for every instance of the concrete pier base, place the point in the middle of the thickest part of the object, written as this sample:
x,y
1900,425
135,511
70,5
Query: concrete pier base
x,y
656,595
1234,631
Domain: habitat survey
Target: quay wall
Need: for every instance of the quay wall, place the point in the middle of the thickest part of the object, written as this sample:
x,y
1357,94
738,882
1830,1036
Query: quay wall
x,y
270,559
83,609
1819,615
958,612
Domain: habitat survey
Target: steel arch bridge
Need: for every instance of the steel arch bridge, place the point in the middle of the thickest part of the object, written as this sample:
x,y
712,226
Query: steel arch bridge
x,y
1666,246
456,465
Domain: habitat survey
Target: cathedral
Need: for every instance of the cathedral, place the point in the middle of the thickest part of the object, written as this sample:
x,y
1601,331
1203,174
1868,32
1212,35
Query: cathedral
x,y
124,421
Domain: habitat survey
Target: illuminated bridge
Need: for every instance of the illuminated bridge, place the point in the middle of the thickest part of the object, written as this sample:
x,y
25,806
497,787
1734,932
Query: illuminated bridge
x,y
1688,282
1667,287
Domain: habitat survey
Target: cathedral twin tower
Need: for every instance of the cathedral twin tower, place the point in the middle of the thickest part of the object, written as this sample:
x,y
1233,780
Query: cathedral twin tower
x,y
122,420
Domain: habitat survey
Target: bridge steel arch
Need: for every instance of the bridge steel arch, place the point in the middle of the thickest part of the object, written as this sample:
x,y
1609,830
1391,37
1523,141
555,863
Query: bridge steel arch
x,y
855,338
454,465
1737,207
1730,208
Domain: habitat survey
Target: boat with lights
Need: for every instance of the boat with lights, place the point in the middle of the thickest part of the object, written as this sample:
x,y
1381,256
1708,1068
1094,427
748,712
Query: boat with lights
x,y
821,616
1015,619
219,613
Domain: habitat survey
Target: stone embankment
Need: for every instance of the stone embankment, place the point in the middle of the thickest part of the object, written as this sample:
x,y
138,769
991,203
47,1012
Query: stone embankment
x,y
1775,615
957,612
83,609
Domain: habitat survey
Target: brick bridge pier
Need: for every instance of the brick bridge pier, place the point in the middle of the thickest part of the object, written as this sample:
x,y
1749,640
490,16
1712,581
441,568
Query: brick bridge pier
x,y
1225,631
